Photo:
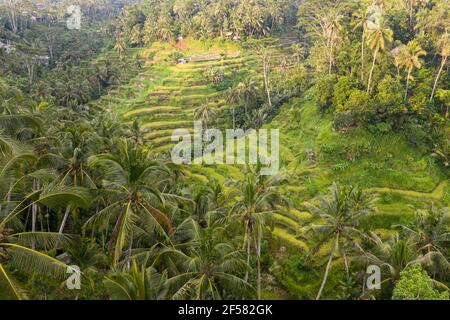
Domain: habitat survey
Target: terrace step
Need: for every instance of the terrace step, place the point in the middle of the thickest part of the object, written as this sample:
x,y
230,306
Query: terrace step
x,y
289,239
166,124
164,133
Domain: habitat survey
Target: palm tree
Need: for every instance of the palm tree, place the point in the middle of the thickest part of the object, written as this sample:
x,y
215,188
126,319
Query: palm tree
x,y
332,22
377,38
137,283
257,199
409,57
340,213
444,47
209,267
232,98
132,183
77,140
430,236
247,91
412,6
393,255
362,17
205,112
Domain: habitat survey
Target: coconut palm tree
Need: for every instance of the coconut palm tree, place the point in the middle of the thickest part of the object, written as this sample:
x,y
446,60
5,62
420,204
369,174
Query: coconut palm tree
x,y
204,113
361,20
392,255
409,58
332,22
430,237
247,91
137,283
209,267
377,38
444,51
257,199
232,98
340,212
132,183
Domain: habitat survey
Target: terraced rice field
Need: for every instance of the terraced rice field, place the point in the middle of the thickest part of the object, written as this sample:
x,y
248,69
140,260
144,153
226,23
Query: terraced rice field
x,y
164,96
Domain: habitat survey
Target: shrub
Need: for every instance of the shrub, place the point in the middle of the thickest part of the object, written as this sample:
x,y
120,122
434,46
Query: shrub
x,y
343,120
416,284
389,98
341,92
323,91
359,103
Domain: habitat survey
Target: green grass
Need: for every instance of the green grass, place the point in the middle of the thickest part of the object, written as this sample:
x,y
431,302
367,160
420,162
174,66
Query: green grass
x,y
285,221
289,239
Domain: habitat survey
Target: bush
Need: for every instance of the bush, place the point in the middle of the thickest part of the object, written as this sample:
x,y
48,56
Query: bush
x,y
341,92
416,284
323,91
343,120
389,99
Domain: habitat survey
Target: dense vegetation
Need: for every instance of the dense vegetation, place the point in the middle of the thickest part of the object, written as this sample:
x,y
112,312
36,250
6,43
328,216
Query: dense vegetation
x,y
359,90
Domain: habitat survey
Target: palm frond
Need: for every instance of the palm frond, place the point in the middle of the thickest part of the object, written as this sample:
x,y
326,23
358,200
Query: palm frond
x,y
9,290
116,290
34,262
13,121
75,197
43,240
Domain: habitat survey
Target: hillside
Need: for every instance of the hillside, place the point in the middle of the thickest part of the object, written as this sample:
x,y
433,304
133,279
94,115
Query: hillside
x,y
321,169
404,177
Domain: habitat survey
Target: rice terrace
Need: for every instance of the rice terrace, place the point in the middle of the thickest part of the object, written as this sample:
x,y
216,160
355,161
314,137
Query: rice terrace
x,y
346,102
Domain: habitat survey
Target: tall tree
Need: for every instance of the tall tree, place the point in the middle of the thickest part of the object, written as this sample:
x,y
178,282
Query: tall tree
x,y
339,213
409,58
362,17
377,37
444,51
258,198
131,182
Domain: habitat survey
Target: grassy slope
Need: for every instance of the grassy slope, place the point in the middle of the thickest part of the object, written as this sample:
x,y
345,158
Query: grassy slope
x,y
164,95
403,177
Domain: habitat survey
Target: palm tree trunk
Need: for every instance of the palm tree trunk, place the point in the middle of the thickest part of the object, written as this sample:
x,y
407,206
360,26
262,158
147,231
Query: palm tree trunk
x,y
327,269
444,59
64,220
234,119
371,70
34,211
407,83
248,254
258,253
362,57
330,57
266,80
130,246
